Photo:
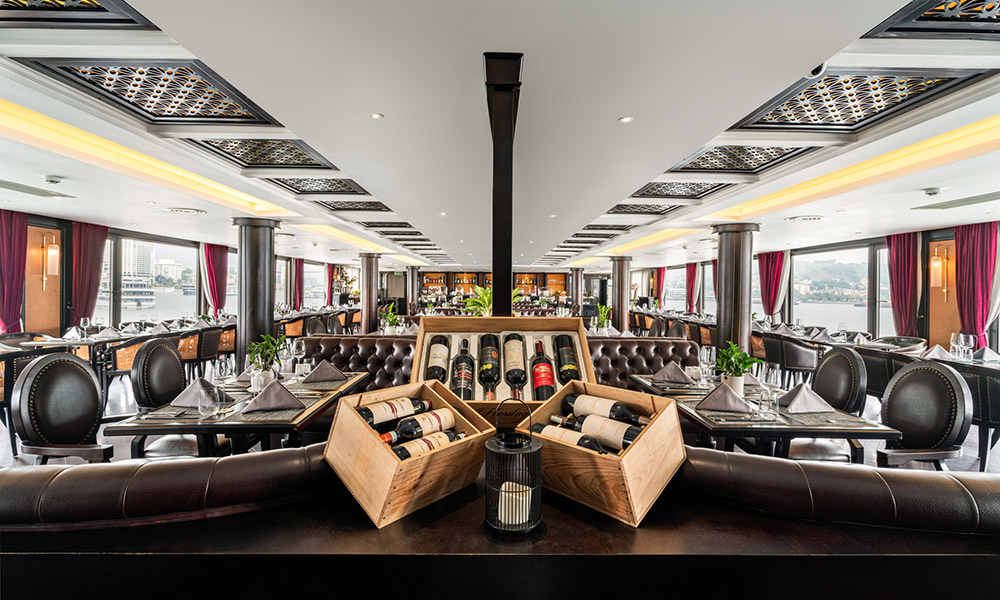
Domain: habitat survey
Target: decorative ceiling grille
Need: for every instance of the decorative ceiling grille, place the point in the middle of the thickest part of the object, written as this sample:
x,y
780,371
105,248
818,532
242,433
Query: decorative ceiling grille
x,y
597,236
60,5
966,10
847,100
379,224
175,92
334,205
642,209
677,189
609,227
733,158
584,242
310,185
963,19
399,233
71,14
267,153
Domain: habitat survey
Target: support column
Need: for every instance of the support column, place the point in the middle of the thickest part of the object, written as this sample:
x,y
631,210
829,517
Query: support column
x,y
369,292
412,288
735,263
255,295
576,286
620,281
503,85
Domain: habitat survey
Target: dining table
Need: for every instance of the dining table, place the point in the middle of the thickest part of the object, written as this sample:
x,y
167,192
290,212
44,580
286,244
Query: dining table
x,y
771,433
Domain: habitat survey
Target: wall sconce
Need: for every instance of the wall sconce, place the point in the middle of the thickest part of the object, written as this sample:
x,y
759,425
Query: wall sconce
x,y
939,271
50,259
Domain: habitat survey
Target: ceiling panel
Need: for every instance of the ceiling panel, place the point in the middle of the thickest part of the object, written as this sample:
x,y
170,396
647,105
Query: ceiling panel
x,y
266,153
311,185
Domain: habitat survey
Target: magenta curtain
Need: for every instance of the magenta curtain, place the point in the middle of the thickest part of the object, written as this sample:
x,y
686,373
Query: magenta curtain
x,y
770,265
331,272
216,272
715,278
661,274
299,288
88,262
691,294
904,271
976,250
13,257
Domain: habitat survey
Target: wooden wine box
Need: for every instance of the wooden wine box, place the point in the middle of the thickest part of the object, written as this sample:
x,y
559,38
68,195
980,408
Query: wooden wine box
x,y
623,485
532,328
386,487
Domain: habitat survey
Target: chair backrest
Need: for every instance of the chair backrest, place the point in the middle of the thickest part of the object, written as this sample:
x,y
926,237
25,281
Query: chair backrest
x,y
123,354
656,329
678,330
930,404
157,374
795,355
705,336
57,400
757,347
189,344
209,347
772,348
315,326
227,343
841,380
907,344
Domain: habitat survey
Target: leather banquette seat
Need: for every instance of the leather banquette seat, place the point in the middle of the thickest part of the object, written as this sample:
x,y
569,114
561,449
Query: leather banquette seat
x,y
616,358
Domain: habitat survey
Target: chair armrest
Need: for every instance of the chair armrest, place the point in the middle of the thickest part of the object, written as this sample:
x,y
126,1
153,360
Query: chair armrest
x,y
857,451
895,457
88,452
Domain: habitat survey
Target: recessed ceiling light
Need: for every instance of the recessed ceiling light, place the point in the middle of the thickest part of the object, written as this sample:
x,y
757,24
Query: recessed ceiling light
x,y
625,119
461,241
186,211
150,202
523,255
295,247
707,240
989,212
531,241
376,116
840,210
552,216
804,218
857,233
444,214
282,234
9,200
134,224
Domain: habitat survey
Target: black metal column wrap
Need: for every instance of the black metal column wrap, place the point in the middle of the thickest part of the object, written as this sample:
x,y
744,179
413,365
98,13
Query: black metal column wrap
x,y
369,292
620,280
576,285
412,290
255,295
503,85
735,263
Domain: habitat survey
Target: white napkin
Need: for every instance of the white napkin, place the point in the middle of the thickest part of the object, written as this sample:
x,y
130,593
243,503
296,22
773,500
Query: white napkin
x,y
192,393
783,329
613,332
274,397
159,328
749,379
108,333
73,333
822,336
724,398
860,340
176,324
671,373
986,355
411,330
131,328
324,371
231,321
627,334
939,353
755,326
201,324
802,399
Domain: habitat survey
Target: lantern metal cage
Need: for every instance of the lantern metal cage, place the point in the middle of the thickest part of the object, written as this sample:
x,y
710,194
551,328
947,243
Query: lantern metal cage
x,y
513,480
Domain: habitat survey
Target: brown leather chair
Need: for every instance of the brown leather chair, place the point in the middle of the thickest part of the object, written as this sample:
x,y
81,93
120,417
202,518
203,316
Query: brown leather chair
x,y
930,403
798,360
198,348
678,329
315,326
57,408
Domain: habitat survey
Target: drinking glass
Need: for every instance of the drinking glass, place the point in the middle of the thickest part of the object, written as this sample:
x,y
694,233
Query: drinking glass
x,y
842,327
84,325
99,321
208,403
968,342
299,352
956,345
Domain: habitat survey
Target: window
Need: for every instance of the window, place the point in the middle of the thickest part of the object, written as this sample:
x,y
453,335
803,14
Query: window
x,y
708,294
830,289
159,281
103,309
233,284
886,326
281,281
674,289
756,306
314,284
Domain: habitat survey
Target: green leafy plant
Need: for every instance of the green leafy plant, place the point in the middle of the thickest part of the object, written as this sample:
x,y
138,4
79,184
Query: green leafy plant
x,y
264,354
389,313
204,317
545,304
481,303
733,361
603,315
753,316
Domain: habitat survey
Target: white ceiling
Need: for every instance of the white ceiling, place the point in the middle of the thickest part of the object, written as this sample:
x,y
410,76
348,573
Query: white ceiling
x,y
685,71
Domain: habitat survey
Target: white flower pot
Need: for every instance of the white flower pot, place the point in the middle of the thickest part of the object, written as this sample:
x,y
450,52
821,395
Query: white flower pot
x,y
603,332
735,383
260,379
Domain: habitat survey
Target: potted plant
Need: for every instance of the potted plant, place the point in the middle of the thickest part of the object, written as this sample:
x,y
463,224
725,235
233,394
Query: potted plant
x,y
481,303
264,360
391,319
734,363
603,319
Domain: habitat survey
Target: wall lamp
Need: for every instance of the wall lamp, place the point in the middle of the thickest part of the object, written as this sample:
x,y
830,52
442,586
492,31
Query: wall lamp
x,y
50,259
939,271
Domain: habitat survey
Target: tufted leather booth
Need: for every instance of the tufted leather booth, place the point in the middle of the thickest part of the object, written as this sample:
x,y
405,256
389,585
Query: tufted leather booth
x,y
616,358
388,359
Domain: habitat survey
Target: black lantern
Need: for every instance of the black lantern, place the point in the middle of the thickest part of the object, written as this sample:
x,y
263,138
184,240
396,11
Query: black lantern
x,y
513,480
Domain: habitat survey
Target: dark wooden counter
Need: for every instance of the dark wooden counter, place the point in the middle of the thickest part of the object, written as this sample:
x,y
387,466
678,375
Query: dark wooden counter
x,y
327,544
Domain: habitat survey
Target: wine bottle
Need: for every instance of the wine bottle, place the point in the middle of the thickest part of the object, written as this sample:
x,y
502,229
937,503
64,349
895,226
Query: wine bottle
x,y
543,379
437,358
569,367
613,434
426,444
420,425
569,436
513,364
489,365
383,412
463,372
584,404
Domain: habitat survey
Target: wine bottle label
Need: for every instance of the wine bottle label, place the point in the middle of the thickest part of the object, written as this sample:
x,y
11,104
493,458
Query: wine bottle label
x,y
542,375
425,444
489,358
562,434
592,405
436,420
513,355
438,356
461,378
608,432
393,409
567,360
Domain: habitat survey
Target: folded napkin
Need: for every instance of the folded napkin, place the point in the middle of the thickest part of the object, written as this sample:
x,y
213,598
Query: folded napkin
x,y
274,397
294,313
628,334
160,328
755,326
244,376
783,329
176,324
108,333
192,394
813,331
724,398
73,333
324,371
749,379
131,328
859,339
822,336
939,353
802,399
231,321
613,332
411,330
276,315
986,355
671,373
201,324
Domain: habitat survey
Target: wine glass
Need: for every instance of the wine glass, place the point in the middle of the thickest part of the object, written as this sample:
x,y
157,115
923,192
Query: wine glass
x,y
84,325
299,352
99,321
968,342
956,344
